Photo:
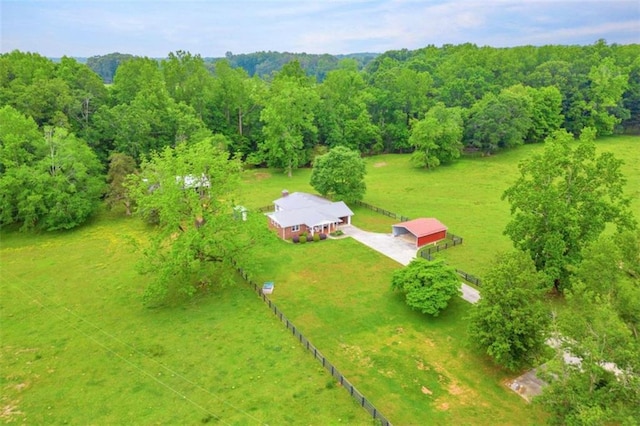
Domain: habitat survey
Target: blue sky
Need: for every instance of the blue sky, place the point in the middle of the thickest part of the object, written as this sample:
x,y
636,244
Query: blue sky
x,y
154,28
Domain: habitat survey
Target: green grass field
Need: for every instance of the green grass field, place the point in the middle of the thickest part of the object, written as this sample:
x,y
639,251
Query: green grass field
x,y
415,369
466,195
79,348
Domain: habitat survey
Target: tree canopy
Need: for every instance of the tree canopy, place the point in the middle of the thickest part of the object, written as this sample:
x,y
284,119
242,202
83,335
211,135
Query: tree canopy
x,y
563,200
339,174
188,191
510,321
427,285
51,181
599,326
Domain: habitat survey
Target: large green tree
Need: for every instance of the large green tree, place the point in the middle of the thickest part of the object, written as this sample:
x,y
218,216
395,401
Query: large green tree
x,y
427,285
289,126
343,116
499,121
189,192
598,326
563,200
339,174
437,138
510,321
47,182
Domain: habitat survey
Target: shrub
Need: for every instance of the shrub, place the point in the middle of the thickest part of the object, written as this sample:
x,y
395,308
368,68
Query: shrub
x,y
295,239
323,236
316,237
303,239
303,234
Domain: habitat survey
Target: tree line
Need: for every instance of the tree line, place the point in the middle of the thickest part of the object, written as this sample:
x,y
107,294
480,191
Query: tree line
x,y
435,102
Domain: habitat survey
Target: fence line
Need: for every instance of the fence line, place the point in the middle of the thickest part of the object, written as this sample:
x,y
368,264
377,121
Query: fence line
x,y
382,211
335,373
451,241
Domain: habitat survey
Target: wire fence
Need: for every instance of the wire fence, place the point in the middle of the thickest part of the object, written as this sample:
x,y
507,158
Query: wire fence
x,y
335,373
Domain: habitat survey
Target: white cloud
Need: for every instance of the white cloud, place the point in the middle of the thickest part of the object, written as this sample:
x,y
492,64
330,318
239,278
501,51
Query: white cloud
x,y
210,28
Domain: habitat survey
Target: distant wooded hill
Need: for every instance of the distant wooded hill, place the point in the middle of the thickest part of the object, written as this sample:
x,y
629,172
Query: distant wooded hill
x,y
262,64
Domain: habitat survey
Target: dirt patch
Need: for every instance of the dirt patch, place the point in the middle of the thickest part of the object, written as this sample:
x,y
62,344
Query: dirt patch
x,y
420,365
454,389
261,175
9,412
426,391
443,407
380,164
21,386
355,355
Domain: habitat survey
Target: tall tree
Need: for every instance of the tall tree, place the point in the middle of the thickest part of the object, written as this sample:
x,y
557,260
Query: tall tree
x,y
120,167
189,192
288,118
52,182
343,116
501,121
608,82
563,200
437,138
401,94
510,321
188,80
339,174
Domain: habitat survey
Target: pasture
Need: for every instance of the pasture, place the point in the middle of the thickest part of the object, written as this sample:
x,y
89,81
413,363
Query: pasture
x,y
466,195
414,368
78,346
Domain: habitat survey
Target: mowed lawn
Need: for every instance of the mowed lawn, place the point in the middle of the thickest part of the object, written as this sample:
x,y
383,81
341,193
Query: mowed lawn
x,y
416,369
78,347
465,196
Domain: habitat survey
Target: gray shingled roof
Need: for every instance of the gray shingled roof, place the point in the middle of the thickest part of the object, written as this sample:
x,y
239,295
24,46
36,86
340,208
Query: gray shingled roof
x,y
307,216
300,200
301,208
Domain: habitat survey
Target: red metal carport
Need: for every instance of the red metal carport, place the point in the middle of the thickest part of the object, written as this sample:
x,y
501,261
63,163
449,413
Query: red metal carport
x,y
425,230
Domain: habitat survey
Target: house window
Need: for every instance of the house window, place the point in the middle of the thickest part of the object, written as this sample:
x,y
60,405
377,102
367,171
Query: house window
x,y
295,228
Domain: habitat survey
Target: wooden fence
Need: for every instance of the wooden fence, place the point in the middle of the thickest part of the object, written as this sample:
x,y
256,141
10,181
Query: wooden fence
x,y
451,241
382,211
346,384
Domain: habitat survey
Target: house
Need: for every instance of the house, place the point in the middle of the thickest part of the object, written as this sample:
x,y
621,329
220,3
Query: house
x,y
423,231
300,212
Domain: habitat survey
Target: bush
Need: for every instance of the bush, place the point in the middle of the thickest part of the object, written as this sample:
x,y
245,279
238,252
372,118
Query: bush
x,y
323,236
428,286
303,239
303,234
295,239
316,237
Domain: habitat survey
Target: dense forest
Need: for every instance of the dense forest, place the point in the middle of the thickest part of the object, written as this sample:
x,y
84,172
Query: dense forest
x,y
61,123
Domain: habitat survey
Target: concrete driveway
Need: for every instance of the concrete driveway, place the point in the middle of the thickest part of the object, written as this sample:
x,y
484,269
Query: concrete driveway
x,y
399,250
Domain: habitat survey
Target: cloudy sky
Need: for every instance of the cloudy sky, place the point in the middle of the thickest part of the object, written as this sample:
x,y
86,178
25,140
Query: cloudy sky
x,y
154,28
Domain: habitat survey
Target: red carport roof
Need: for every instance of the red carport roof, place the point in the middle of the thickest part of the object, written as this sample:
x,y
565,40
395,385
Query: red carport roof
x,y
422,226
